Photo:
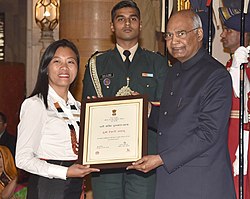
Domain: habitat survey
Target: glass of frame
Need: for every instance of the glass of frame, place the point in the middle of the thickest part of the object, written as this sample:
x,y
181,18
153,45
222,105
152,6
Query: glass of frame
x,y
113,131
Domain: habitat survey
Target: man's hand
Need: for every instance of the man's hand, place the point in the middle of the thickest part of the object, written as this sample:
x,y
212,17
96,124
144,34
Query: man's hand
x,y
240,56
248,48
146,163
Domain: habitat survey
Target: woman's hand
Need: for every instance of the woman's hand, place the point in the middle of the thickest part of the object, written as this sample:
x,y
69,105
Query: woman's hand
x,y
8,191
78,170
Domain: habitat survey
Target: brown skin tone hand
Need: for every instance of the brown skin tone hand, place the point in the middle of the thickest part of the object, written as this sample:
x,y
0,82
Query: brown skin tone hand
x,y
8,191
146,163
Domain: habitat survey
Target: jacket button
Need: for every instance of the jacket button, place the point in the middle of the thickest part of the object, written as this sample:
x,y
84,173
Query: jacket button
x,y
178,74
160,133
171,93
165,113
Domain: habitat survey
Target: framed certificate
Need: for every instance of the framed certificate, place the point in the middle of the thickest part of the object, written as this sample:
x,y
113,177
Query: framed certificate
x,y
113,131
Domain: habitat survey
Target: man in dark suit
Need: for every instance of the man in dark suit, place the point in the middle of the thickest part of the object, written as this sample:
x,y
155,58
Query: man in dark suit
x,y
193,160
112,74
6,139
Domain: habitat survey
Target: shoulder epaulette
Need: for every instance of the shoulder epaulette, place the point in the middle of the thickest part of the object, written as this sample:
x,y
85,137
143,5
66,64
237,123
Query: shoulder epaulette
x,y
145,49
159,53
97,53
156,52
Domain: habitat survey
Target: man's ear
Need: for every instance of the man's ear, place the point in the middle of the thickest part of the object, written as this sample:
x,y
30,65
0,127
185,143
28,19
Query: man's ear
x,y
200,34
112,27
140,26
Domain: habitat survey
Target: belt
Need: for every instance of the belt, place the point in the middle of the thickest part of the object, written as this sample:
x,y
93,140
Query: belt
x,y
65,163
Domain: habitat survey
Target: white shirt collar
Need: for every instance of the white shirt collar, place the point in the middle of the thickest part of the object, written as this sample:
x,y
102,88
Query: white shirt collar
x,y
52,93
132,50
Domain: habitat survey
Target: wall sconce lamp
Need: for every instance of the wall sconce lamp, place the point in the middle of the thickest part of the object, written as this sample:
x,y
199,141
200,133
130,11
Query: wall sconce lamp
x,y
183,4
47,18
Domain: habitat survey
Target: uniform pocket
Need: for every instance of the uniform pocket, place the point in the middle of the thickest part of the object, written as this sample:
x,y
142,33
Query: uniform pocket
x,y
147,86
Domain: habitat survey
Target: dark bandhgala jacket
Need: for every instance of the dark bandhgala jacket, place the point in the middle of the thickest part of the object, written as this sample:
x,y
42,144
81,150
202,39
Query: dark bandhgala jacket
x,y
193,131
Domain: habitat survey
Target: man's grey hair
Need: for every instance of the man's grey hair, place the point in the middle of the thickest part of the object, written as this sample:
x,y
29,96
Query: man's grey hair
x,y
197,21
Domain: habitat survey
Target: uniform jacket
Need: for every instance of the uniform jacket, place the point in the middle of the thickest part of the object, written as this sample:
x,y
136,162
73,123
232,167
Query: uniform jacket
x,y
192,131
147,73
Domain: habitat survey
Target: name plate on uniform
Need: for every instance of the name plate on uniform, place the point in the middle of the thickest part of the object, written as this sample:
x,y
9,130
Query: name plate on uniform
x,y
113,131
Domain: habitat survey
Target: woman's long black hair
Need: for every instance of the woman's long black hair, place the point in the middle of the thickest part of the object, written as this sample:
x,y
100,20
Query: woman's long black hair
x,y
42,83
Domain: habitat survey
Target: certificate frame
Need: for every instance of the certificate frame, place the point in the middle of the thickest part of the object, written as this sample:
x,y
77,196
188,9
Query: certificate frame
x,y
113,124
